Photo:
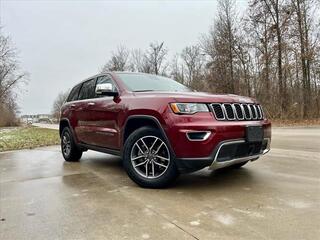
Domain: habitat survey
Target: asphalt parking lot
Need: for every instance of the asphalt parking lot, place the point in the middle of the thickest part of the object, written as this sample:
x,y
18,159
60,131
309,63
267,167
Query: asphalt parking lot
x,y
276,197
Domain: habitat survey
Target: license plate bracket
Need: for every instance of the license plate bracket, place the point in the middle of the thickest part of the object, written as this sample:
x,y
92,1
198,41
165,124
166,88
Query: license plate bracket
x,y
254,133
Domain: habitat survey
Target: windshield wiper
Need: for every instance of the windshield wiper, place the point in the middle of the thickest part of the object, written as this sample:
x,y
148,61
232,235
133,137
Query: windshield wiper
x,y
147,90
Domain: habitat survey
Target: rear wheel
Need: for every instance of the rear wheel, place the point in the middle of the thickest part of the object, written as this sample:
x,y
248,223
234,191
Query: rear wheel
x,y
148,159
69,149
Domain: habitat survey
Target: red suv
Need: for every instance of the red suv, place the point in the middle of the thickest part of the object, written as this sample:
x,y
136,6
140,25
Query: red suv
x,y
160,127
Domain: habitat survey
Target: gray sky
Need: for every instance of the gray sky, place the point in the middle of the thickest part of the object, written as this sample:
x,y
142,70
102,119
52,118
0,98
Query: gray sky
x,y
64,42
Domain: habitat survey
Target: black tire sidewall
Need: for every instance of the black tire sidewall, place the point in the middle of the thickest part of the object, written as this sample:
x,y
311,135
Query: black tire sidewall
x,y
75,152
164,180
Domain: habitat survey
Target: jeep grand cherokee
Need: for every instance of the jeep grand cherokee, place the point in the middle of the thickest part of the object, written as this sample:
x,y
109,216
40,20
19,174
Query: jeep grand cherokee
x,y
160,127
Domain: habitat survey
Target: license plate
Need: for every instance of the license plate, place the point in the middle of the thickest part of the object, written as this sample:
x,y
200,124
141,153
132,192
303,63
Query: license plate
x,y
254,133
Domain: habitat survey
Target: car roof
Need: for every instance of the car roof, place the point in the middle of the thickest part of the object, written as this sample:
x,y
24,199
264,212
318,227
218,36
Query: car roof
x,y
112,73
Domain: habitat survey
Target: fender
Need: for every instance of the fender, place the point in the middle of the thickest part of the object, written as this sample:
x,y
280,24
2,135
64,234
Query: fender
x,y
148,117
71,128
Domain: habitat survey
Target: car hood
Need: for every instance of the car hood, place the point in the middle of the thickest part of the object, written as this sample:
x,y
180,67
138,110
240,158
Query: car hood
x,y
197,97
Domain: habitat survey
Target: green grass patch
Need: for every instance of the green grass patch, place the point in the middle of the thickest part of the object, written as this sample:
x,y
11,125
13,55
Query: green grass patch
x,y
27,137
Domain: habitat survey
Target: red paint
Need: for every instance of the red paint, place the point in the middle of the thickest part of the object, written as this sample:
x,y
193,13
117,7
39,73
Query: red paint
x,y
102,124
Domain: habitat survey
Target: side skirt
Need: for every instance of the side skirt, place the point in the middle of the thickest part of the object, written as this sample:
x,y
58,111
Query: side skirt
x,y
100,149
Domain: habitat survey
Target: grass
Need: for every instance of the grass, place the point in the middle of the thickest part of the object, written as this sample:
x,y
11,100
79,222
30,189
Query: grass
x,y
27,137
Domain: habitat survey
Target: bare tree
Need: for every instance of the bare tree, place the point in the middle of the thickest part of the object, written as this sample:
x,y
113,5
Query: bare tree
x,y
303,19
139,61
156,56
118,61
219,45
177,69
272,54
280,14
57,104
10,77
10,73
193,60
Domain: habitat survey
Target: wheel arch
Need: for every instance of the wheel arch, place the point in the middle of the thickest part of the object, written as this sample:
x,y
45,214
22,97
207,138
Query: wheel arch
x,y
64,122
134,122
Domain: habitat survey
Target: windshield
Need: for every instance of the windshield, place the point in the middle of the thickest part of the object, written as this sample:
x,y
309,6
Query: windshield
x,y
139,82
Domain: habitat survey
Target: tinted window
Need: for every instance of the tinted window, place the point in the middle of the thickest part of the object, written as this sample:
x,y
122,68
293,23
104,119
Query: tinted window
x,y
147,82
73,96
106,79
87,90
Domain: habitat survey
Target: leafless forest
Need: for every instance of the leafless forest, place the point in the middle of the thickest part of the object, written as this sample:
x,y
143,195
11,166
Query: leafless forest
x,y
271,52
10,76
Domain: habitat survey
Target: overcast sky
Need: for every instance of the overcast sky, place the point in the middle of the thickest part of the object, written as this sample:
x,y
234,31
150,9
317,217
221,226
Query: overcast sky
x,y
64,42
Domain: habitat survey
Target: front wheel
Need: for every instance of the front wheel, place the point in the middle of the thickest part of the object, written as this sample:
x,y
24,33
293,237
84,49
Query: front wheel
x,y
69,149
148,159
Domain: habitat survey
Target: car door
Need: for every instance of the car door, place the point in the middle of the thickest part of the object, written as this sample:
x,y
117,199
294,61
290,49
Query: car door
x,y
72,106
104,111
85,126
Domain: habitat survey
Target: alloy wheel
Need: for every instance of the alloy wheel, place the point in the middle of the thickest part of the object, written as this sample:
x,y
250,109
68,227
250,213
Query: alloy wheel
x,y
66,144
150,157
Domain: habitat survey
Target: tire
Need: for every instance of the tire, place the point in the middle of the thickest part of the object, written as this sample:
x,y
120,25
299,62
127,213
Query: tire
x,y
73,153
148,159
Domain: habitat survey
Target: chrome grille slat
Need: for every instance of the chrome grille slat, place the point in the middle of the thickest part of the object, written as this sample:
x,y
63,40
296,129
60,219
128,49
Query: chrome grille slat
x,y
258,111
229,111
253,112
261,111
218,111
247,113
237,111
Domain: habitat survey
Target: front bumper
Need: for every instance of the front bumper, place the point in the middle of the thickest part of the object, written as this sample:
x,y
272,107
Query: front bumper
x,y
199,154
238,151
225,154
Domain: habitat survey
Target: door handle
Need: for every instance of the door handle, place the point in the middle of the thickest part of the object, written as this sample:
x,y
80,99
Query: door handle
x,y
72,106
91,104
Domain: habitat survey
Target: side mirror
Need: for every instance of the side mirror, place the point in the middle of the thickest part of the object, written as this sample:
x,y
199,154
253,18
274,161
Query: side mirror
x,y
106,89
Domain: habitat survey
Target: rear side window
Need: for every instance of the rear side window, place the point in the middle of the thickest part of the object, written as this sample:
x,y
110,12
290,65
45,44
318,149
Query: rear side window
x,y
87,90
73,96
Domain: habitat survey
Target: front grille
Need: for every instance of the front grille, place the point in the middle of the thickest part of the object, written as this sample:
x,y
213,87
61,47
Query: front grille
x,y
237,111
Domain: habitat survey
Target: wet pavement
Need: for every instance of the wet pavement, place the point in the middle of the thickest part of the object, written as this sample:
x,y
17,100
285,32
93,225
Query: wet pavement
x,y
276,197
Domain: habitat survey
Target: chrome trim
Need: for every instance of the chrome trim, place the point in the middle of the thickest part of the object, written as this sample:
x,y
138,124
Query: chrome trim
x,y
226,113
245,114
261,110
258,112
251,117
216,165
253,108
206,136
235,110
214,112
255,111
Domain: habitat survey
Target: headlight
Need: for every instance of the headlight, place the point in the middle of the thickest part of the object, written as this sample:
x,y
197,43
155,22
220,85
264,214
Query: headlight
x,y
188,108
